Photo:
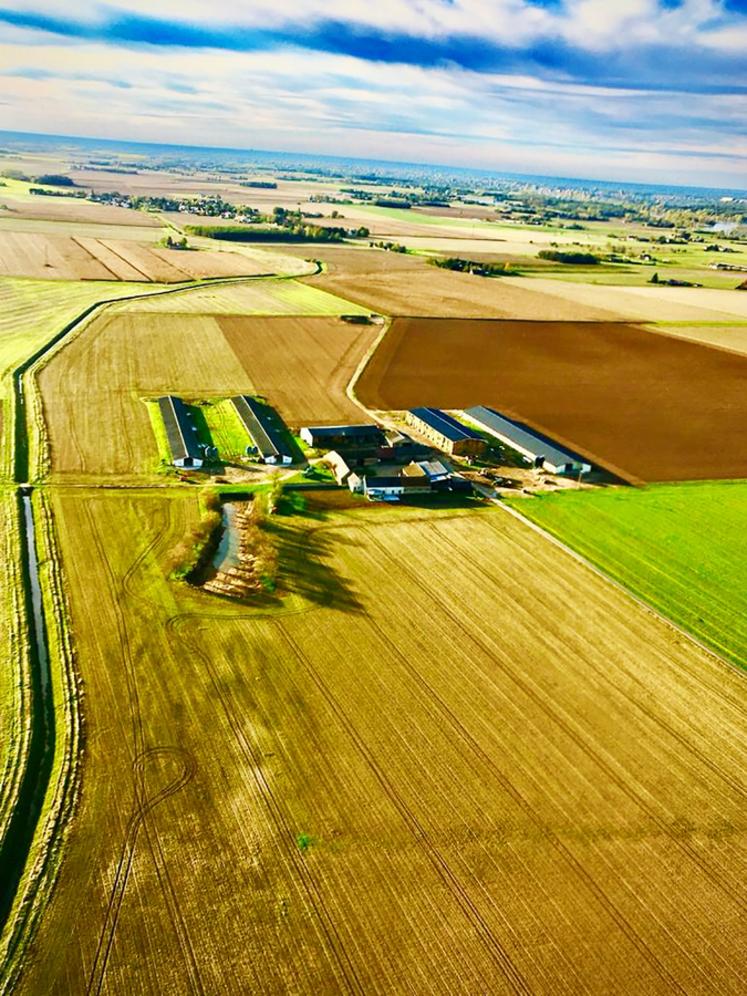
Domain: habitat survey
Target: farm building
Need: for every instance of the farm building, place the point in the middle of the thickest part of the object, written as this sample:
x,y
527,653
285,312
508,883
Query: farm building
x,y
342,464
265,430
445,432
392,488
434,470
334,436
540,450
180,432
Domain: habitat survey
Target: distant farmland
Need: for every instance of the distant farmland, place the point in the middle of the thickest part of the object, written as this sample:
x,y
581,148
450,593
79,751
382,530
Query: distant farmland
x,y
64,257
535,784
648,406
406,285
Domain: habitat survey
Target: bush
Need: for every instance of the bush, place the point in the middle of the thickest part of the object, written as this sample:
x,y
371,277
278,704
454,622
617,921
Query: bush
x,y
55,180
579,258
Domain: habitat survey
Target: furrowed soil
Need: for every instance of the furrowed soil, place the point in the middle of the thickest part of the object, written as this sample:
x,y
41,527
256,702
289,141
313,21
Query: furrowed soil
x,y
91,388
649,407
31,312
539,789
302,365
398,284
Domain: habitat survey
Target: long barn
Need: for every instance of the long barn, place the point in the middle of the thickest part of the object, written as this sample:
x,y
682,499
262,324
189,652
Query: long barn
x,y
180,432
264,428
534,446
445,432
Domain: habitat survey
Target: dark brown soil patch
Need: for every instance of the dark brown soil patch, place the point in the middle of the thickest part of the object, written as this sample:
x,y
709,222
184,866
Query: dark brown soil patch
x,y
649,407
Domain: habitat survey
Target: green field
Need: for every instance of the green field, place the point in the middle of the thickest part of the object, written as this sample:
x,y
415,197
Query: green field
x,y
258,297
227,431
682,548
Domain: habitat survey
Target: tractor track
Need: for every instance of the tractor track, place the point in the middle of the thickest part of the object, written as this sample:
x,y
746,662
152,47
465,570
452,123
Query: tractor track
x,y
276,813
495,950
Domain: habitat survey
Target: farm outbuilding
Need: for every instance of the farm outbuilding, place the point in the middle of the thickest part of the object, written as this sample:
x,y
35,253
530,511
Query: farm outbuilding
x,y
180,432
333,436
532,445
392,488
445,432
265,429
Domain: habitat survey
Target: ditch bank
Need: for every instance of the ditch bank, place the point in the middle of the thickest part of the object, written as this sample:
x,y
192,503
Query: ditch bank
x,y
18,839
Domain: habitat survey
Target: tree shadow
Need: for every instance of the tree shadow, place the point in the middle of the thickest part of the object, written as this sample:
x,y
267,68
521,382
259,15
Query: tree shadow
x,y
306,566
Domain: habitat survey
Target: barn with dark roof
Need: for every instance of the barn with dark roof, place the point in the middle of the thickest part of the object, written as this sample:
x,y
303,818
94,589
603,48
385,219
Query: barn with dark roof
x,y
181,433
265,429
445,432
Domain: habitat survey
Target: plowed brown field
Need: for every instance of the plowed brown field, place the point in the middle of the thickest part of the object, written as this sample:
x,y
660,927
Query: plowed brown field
x,y
454,761
650,407
396,284
302,365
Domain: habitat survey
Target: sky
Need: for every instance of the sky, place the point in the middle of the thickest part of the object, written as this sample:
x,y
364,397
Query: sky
x,y
640,90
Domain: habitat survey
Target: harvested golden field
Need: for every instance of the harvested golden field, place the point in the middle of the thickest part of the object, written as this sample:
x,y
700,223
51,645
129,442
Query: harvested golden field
x,y
733,337
407,285
647,304
302,365
523,782
65,257
91,388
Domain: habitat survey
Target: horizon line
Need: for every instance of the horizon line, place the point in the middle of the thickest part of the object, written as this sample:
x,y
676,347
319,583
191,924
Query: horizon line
x,y
485,171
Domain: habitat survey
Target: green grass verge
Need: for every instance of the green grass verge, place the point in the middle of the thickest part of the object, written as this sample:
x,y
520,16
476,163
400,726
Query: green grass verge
x,y
159,431
226,429
263,296
681,548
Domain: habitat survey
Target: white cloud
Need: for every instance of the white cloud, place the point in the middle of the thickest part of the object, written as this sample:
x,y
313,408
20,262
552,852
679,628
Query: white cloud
x,y
301,100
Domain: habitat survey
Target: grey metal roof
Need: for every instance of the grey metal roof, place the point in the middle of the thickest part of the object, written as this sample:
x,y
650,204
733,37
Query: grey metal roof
x,y
179,429
445,424
525,437
264,430
434,468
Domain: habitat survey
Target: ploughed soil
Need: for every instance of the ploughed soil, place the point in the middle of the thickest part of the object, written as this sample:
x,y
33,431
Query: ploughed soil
x,y
301,364
403,284
646,406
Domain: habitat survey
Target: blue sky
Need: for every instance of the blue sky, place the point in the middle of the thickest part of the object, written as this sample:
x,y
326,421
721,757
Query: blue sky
x,y
628,89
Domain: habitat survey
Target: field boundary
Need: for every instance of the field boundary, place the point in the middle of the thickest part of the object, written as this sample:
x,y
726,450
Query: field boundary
x,y
590,565
358,372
